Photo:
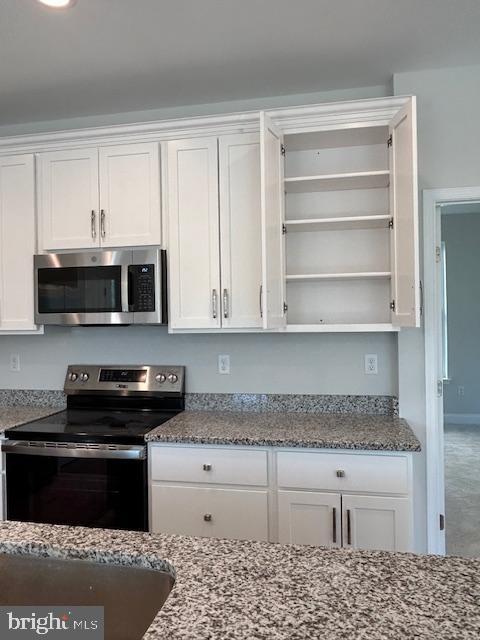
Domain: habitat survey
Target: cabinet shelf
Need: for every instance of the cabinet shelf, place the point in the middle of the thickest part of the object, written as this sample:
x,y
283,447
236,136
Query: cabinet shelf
x,y
338,181
379,327
340,223
356,275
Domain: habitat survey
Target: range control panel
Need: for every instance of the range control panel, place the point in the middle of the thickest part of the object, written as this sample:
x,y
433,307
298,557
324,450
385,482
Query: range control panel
x,y
149,379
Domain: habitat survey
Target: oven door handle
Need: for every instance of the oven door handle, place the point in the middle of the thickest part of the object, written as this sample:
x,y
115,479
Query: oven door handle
x,y
75,450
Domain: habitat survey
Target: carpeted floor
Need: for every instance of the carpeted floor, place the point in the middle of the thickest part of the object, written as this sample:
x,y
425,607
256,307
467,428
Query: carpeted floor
x,y
462,489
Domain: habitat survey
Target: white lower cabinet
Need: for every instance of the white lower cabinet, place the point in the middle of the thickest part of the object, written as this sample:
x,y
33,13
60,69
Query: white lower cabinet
x,y
315,497
376,522
308,517
351,521
219,513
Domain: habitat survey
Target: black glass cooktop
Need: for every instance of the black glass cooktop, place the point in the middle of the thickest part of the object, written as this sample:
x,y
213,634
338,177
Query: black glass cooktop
x,y
97,426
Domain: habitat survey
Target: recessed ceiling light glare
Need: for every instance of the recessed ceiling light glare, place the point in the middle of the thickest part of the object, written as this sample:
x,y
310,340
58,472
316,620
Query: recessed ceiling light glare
x,y
57,4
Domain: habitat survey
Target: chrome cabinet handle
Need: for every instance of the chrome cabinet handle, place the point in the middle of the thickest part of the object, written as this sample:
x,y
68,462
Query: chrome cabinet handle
x,y
102,223
340,473
349,527
334,529
207,517
260,300
225,303
207,467
214,304
93,224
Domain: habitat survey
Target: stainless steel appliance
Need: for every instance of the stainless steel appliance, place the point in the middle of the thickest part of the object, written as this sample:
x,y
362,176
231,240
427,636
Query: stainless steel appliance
x,y
87,465
101,287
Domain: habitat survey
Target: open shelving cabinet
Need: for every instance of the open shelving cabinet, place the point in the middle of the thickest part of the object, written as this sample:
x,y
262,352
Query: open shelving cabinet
x,y
348,245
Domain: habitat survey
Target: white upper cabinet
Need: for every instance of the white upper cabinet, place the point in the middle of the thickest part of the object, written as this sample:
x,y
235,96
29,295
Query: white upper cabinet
x,y
129,195
351,217
17,243
240,230
273,252
404,210
68,199
93,197
214,221
194,243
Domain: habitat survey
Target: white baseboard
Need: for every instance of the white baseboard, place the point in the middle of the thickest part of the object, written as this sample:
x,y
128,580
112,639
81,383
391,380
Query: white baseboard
x,y
462,418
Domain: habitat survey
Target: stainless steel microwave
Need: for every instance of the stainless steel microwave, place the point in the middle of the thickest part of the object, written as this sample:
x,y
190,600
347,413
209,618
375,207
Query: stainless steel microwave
x,y
101,287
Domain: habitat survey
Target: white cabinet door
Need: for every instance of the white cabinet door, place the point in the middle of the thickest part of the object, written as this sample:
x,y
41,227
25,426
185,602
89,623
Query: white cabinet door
x,y
17,242
68,197
374,522
404,210
273,241
218,513
194,242
307,517
240,230
129,195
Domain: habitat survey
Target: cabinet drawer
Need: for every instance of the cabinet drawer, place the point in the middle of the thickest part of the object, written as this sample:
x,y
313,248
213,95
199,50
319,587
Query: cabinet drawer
x,y
216,513
342,472
209,465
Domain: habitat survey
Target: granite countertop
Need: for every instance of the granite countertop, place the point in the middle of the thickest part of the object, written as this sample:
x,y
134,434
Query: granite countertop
x,y
316,430
235,590
16,415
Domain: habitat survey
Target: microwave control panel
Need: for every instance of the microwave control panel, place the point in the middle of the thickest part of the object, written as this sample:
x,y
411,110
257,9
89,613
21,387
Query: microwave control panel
x,y
141,286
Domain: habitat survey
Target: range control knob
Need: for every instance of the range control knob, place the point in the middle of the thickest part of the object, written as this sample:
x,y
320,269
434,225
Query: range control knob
x,y
73,376
84,377
160,378
172,377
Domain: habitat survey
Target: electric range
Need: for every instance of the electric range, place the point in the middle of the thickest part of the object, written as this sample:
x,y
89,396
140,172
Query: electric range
x,y
87,465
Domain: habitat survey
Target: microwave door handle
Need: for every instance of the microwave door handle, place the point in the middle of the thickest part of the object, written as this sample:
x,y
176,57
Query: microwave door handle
x,y
125,289
131,284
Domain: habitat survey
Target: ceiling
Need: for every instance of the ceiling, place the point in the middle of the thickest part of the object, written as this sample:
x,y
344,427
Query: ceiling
x,y
109,56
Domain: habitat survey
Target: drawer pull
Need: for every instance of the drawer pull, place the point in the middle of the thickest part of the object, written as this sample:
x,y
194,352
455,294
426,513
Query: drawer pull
x,y
207,517
340,473
207,467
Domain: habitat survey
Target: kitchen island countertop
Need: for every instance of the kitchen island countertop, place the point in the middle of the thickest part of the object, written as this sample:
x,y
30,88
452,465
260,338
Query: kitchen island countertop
x,y
235,590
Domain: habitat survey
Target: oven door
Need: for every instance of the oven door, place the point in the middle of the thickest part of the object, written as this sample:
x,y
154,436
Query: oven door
x,y
77,484
82,288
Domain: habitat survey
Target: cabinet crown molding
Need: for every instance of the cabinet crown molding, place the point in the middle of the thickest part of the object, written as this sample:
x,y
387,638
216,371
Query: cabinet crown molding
x,y
292,119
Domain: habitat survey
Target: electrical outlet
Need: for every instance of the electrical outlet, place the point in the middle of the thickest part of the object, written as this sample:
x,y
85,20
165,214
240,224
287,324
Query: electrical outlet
x,y
15,362
224,364
461,390
371,364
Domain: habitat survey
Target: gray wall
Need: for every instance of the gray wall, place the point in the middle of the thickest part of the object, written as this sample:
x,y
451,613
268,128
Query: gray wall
x,y
259,363
331,364
461,234
448,144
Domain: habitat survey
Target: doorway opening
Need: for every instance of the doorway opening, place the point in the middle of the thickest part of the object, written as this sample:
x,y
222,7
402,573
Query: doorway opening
x,y
452,351
460,276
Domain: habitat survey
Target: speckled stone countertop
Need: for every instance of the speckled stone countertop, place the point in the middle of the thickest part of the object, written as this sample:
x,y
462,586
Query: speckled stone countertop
x,y
230,590
316,430
17,415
